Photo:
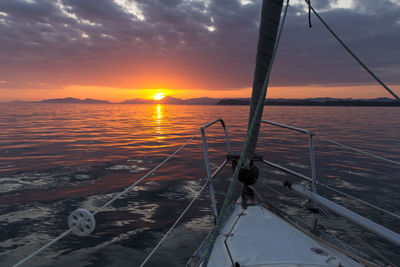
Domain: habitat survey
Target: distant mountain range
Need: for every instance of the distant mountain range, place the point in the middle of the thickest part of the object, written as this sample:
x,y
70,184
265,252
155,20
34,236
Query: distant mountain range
x,y
321,101
165,100
71,100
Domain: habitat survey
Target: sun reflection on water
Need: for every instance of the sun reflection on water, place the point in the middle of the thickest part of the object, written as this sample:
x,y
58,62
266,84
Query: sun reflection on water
x,y
159,115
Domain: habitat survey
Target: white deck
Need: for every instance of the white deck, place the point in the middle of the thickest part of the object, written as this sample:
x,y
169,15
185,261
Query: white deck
x,y
258,237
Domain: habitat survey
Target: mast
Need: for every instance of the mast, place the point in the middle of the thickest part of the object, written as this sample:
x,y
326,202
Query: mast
x,y
269,23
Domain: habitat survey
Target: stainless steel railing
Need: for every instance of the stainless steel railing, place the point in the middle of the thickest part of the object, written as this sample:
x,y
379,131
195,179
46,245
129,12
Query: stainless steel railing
x,y
352,216
207,161
311,149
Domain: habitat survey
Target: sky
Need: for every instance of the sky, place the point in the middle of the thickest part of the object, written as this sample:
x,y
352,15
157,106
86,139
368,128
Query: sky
x,y
124,49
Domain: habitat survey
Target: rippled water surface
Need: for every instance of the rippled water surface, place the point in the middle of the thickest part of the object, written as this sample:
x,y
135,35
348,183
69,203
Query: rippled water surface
x,y
56,158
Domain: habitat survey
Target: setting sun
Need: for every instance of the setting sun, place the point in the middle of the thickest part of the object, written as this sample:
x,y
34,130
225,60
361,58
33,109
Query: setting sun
x,y
158,96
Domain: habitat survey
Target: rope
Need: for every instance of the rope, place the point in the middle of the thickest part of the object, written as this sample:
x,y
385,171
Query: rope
x,y
351,52
309,13
245,147
358,150
109,202
173,226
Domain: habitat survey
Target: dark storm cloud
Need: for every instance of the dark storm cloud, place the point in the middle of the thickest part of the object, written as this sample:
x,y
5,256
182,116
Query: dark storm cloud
x,y
313,56
99,42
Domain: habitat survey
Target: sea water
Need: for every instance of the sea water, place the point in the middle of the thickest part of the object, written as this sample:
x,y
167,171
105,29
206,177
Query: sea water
x,y
55,158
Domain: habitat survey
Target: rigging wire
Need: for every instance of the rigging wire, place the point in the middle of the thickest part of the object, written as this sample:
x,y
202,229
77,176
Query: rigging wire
x,y
245,146
335,190
331,219
235,176
351,52
358,150
273,190
350,196
289,219
147,175
359,200
109,202
43,248
173,226
355,236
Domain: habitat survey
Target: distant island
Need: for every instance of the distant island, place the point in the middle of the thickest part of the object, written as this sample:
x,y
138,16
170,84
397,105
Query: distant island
x,y
71,100
166,100
320,101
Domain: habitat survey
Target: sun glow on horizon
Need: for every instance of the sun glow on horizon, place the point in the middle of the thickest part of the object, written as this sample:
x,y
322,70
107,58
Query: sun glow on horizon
x,y
158,96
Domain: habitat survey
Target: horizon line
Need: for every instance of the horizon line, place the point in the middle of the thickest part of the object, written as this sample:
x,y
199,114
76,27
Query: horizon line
x,y
183,99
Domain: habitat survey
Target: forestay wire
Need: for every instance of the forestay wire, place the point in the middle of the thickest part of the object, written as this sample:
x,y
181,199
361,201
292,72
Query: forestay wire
x,y
245,147
351,52
109,202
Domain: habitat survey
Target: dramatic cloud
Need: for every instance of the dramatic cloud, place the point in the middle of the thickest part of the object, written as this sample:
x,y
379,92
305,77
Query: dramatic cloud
x,y
312,56
189,44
